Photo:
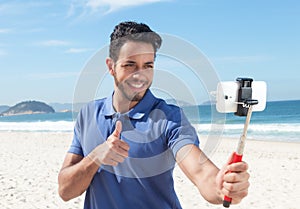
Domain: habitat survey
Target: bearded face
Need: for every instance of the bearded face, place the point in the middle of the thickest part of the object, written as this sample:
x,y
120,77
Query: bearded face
x,y
133,72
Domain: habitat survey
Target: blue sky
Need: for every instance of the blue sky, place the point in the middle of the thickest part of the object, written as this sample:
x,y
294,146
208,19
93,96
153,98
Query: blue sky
x,y
45,44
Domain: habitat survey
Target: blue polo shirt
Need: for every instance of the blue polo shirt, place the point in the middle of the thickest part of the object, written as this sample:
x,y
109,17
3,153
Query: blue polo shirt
x,y
155,131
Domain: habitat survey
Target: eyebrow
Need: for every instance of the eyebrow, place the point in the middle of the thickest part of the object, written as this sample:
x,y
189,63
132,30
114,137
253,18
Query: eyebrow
x,y
129,61
150,62
133,62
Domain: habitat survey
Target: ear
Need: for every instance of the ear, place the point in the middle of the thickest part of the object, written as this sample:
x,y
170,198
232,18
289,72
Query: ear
x,y
110,65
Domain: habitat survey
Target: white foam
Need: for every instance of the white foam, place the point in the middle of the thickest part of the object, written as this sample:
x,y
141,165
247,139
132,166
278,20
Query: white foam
x,y
272,127
272,131
37,126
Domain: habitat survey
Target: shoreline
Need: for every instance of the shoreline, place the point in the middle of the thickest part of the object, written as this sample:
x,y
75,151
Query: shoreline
x,y
202,137
31,162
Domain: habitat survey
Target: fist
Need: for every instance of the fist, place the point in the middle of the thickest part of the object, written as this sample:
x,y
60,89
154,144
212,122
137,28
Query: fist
x,y
113,151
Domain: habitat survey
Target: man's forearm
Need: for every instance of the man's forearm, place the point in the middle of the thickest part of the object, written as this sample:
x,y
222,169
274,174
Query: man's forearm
x,y
201,171
208,186
75,179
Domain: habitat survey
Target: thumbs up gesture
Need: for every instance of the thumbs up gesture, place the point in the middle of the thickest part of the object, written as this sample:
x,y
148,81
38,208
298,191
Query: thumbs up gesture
x,y
113,151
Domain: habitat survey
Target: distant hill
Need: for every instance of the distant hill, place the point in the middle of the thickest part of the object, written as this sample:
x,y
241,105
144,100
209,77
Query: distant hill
x,y
28,107
4,108
61,107
67,107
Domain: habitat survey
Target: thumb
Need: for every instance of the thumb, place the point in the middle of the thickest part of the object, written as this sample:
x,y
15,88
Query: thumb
x,y
230,159
118,129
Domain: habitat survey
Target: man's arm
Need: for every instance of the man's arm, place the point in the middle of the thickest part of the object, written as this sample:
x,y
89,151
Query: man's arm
x,y
75,176
212,182
77,171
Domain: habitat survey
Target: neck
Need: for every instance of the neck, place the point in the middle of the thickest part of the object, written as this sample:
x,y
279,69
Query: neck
x,y
122,104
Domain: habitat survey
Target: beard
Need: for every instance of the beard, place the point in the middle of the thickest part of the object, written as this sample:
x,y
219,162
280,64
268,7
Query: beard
x,y
131,96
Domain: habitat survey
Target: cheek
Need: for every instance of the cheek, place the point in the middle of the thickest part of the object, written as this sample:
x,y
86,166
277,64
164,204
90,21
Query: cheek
x,y
120,77
151,75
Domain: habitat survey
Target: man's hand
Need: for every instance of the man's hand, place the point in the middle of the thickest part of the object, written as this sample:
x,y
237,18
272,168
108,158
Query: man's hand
x,y
232,180
113,151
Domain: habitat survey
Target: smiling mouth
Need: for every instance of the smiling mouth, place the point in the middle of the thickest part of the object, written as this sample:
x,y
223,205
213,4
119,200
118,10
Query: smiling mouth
x,y
137,84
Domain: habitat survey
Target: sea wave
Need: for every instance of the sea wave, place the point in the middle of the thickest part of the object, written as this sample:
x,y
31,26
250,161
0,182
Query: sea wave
x,y
271,131
60,126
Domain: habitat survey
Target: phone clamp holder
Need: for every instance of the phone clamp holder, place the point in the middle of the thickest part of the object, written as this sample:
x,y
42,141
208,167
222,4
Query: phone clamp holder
x,y
244,96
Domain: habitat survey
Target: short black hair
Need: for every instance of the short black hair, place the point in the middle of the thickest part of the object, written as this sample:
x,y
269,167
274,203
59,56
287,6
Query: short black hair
x,y
132,31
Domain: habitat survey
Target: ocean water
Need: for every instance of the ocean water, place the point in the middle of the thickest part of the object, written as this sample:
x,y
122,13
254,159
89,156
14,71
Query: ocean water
x,y
280,121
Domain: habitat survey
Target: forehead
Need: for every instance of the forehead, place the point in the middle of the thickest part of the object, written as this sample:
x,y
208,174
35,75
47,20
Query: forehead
x,y
133,50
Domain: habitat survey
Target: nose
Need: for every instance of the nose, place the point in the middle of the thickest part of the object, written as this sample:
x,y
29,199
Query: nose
x,y
138,70
137,74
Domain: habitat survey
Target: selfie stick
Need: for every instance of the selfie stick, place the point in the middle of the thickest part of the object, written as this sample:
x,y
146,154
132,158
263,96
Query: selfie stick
x,y
245,105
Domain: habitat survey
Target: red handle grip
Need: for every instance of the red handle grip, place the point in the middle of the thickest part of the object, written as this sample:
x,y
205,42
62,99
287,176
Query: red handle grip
x,y
236,158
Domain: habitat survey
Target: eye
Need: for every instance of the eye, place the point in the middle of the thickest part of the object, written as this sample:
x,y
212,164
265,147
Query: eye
x,y
129,66
149,67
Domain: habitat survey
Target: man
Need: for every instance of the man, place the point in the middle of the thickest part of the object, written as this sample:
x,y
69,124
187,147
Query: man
x,y
125,146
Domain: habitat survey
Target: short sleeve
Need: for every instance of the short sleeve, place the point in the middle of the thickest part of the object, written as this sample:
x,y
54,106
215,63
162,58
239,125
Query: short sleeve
x,y
180,132
76,147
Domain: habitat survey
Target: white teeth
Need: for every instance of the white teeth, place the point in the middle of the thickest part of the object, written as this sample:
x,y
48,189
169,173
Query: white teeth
x,y
137,85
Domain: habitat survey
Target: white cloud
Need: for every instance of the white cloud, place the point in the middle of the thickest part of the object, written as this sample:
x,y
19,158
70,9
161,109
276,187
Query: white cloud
x,y
54,43
55,75
5,30
91,7
21,7
2,52
35,30
72,10
77,50
241,59
114,5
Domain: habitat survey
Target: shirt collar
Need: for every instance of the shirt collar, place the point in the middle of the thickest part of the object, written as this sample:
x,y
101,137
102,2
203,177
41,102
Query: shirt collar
x,y
108,109
136,112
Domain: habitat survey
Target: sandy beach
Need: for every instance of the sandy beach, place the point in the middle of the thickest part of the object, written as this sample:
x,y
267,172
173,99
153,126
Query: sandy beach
x,y
30,162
